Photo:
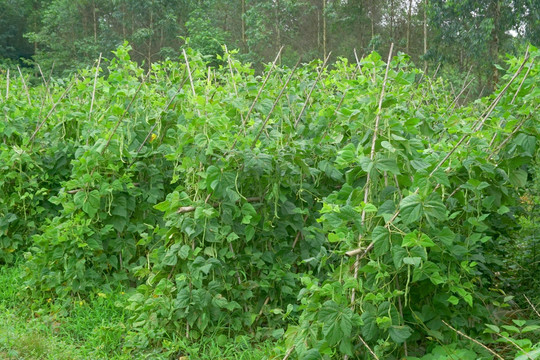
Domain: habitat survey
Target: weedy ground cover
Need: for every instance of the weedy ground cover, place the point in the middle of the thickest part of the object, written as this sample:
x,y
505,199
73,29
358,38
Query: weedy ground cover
x,y
351,211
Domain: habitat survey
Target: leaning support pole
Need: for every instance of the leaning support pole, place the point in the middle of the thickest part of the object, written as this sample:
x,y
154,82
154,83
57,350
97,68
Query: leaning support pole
x,y
372,157
476,127
94,88
245,120
25,87
184,79
52,110
124,113
311,90
274,105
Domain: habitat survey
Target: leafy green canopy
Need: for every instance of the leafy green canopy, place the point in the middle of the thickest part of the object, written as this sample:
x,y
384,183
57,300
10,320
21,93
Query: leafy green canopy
x,y
313,204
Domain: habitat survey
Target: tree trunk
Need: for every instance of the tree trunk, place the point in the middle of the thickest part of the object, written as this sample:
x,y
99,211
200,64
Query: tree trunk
x,y
244,24
324,29
425,33
409,27
95,22
151,26
123,21
494,49
391,20
318,30
278,28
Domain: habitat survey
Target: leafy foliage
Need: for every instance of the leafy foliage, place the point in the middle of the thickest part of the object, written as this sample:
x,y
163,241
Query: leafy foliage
x,y
231,204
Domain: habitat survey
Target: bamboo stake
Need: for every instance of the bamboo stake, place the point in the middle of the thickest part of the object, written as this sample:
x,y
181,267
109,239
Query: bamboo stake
x,y
532,306
274,104
473,340
262,86
184,79
289,352
502,123
516,129
441,163
338,107
7,85
299,233
311,90
372,157
232,78
480,123
452,105
44,82
358,62
522,81
526,353
124,113
25,87
245,120
74,191
231,70
190,78
52,110
400,305
94,88
369,349
262,309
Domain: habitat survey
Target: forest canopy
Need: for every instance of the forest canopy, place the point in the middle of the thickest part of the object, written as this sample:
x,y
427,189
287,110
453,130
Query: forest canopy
x,y
62,35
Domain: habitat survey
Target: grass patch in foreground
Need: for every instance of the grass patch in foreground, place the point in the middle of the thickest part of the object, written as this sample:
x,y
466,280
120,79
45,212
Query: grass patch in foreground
x,y
95,329
92,329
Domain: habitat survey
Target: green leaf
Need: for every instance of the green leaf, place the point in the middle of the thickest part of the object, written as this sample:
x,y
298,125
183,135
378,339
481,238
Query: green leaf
x,y
398,254
410,208
441,177
419,164
530,328
494,328
346,346
346,156
183,253
388,165
453,300
337,322
534,354
415,261
213,174
388,146
370,330
437,278
249,232
311,354
425,241
79,198
446,236
417,239
511,328
381,241
400,333
503,210
171,257
410,239
434,209
92,203
518,177
366,164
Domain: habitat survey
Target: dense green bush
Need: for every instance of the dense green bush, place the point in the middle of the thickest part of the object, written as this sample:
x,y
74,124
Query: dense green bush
x,y
336,210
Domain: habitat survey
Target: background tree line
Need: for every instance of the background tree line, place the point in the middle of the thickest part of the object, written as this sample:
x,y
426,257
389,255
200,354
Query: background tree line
x,y
465,36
